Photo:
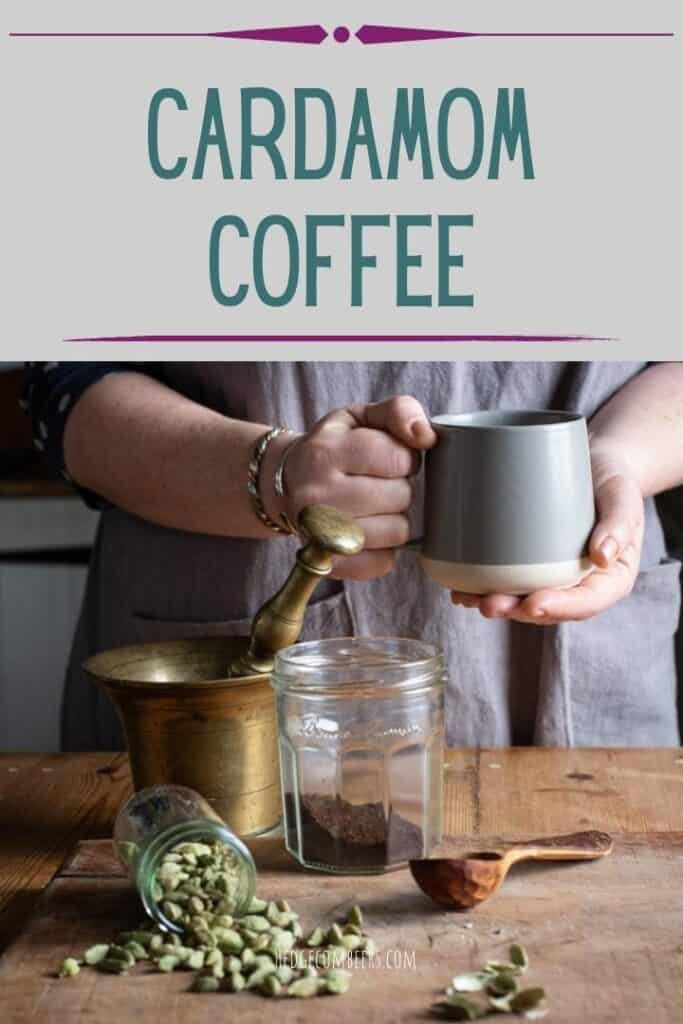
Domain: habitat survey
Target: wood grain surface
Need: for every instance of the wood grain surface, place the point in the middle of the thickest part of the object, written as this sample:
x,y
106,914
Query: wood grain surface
x,y
604,938
49,802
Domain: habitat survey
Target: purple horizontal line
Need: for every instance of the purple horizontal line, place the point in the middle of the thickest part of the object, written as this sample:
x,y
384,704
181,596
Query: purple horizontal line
x,y
340,337
574,35
377,34
107,35
312,34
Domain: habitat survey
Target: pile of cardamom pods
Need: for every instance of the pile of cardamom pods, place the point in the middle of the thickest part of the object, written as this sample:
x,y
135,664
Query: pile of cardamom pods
x,y
264,950
493,989
194,879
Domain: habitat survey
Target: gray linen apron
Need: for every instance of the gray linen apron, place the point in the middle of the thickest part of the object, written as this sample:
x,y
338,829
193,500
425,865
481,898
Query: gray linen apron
x,y
607,681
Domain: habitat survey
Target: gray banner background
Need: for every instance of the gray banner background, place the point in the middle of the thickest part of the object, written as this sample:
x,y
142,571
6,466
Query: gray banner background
x,y
96,245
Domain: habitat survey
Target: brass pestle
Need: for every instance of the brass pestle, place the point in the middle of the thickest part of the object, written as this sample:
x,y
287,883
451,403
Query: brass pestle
x,y
279,622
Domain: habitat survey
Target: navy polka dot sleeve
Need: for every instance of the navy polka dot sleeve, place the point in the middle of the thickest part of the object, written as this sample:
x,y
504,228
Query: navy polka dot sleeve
x,y
50,392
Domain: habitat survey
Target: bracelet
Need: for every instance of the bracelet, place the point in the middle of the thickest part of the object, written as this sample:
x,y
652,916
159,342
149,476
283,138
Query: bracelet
x,y
254,482
279,484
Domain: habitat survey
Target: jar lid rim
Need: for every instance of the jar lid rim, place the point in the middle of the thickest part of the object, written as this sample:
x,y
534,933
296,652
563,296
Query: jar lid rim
x,y
357,661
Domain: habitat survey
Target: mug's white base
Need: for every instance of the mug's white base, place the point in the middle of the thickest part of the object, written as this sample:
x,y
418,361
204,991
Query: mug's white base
x,y
506,579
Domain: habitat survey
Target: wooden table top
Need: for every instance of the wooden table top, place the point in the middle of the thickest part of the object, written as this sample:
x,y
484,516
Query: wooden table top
x,y
48,802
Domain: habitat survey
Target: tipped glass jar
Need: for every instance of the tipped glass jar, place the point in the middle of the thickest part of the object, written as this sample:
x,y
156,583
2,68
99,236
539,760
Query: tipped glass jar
x,y
361,735
182,857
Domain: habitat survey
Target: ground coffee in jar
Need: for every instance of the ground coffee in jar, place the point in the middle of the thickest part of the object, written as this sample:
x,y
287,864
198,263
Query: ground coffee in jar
x,y
361,731
342,835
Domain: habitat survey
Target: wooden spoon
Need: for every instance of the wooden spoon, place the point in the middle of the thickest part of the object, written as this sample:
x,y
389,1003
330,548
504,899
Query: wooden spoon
x,y
463,882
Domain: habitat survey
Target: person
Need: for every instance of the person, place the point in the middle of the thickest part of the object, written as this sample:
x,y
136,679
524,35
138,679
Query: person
x,y
184,550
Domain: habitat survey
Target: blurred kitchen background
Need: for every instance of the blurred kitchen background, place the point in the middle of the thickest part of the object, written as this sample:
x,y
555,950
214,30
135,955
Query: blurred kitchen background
x,y
46,534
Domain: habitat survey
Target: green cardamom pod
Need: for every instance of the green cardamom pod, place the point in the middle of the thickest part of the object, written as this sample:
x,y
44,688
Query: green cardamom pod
x,y
336,955
257,977
337,981
248,957
96,953
304,988
172,911
136,950
271,986
108,966
223,921
228,940
234,982
501,985
496,967
281,944
284,974
203,937
167,963
203,983
355,916
528,999
264,960
473,981
69,968
195,961
119,953
255,923
167,949
519,956
316,938
459,1007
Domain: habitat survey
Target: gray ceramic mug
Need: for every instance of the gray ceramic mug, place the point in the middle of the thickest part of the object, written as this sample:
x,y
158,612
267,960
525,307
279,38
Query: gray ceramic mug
x,y
509,504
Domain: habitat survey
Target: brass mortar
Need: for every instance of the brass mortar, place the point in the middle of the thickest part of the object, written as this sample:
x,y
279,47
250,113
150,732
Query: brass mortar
x,y
201,712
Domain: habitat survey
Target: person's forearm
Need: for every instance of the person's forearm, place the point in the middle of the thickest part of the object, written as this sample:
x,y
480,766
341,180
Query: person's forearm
x,y
642,427
157,454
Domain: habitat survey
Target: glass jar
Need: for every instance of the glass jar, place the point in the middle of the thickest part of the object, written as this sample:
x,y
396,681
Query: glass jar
x,y
361,737
157,819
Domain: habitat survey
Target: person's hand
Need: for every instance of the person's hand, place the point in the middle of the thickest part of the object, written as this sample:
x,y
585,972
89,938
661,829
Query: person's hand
x,y
360,460
614,549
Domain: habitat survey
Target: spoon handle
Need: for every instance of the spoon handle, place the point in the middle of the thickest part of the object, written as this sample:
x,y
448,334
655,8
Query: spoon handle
x,y
577,846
